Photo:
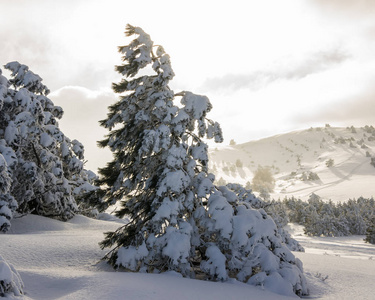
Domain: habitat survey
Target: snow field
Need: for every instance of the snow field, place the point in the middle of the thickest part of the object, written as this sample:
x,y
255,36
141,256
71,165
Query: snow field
x,y
60,260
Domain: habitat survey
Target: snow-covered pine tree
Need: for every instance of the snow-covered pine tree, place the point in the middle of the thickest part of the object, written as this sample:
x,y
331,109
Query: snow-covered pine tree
x,y
178,219
246,195
7,202
10,280
370,232
358,214
159,171
275,209
244,243
45,167
295,209
278,211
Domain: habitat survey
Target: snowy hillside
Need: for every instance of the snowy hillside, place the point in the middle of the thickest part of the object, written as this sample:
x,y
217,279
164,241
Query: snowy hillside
x,y
295,156
58,260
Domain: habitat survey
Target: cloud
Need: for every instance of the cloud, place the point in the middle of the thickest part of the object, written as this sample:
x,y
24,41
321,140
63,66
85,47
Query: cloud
x,y
290,70
54,62
27,46
80,102
83,109
58,43
350,7
357,110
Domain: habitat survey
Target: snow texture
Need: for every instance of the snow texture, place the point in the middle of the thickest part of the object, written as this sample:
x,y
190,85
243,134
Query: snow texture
x,y
67,267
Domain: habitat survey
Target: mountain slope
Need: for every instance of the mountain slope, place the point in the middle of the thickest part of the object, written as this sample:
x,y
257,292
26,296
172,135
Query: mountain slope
x,y
296,158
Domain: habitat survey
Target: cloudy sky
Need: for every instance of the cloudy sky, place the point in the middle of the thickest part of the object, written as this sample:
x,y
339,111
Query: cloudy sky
x,y
267,66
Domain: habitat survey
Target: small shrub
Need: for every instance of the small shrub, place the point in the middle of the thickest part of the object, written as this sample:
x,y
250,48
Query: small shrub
x,y
330,162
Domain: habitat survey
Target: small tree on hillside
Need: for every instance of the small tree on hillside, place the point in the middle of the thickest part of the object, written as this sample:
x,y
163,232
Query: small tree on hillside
x,y
330,163
248,185
263,180
239,163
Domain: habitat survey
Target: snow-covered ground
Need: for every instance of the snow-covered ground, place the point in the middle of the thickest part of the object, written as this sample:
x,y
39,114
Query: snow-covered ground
x,y
60,260
338,267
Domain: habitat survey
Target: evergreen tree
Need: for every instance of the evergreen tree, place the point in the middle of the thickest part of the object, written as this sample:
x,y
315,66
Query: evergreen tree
x,y
356,218
244,243
7,161
330,219
10,280
246,195
370,232
330,163
239,163
7,202
45,167
278,211
372,161
296,210
263,180
179,220
159,171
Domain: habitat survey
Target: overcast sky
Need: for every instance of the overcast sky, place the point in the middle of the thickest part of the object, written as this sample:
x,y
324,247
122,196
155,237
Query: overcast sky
x,y
267,66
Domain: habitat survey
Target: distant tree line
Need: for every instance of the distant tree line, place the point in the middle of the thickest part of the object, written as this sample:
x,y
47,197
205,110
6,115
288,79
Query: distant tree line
x,y
325,218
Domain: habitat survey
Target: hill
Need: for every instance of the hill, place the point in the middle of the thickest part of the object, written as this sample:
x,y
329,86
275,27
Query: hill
x,y
298,161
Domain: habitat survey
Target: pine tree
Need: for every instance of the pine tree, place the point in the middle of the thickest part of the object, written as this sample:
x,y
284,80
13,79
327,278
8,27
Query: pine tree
x,y
244,243
8,161
179,220
159,171
10,280
330,163
45,167
263,180
370,232
7,202
355,217
278,211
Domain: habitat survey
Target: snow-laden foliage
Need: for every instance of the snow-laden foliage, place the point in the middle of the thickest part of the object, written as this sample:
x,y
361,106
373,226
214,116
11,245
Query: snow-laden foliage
x,y
179,220
7,202
279,214
246,195
41,170
159,169
370,232
10,281
252,248
274,209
